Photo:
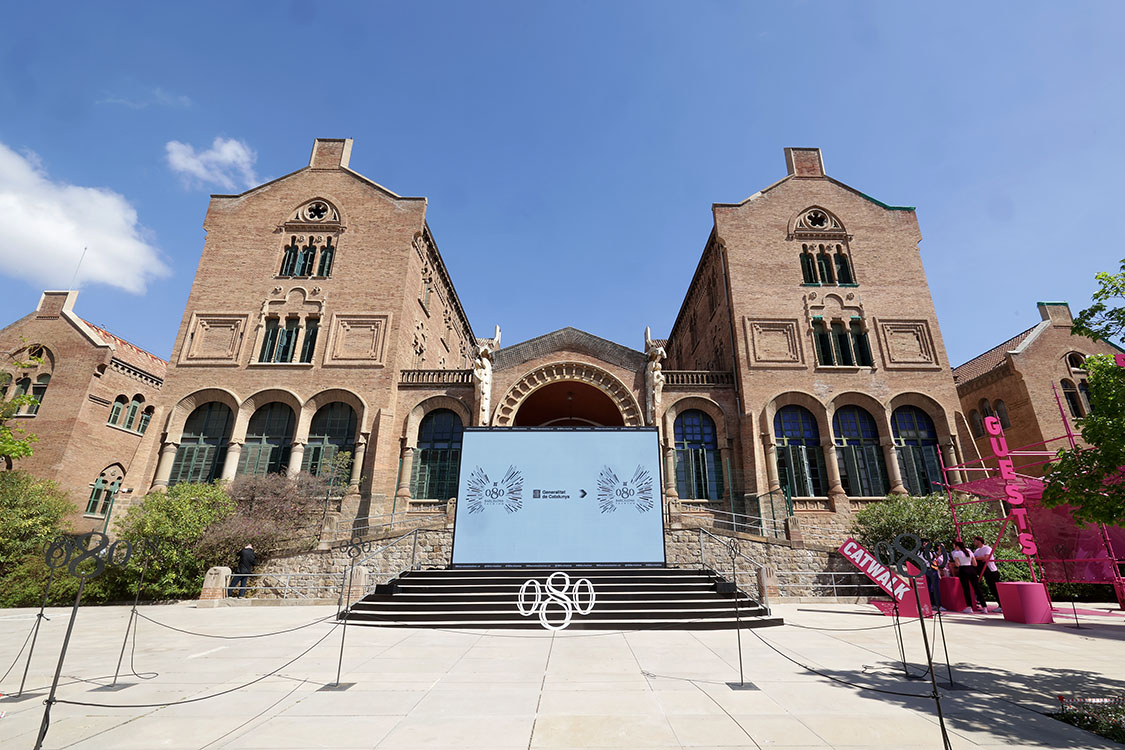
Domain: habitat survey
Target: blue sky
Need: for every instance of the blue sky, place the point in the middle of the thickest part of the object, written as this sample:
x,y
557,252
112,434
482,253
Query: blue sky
x,y
570,151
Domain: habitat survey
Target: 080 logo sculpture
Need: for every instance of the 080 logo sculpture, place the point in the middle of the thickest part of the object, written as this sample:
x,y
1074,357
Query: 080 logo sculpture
x,y
567,598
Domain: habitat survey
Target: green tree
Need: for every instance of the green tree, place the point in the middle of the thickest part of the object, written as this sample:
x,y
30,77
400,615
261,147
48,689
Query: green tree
x,y
15,443
180,518
1104,319
32,512
1092,479
929,517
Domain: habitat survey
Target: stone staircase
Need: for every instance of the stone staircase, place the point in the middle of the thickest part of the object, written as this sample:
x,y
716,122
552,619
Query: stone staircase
x,y
639,598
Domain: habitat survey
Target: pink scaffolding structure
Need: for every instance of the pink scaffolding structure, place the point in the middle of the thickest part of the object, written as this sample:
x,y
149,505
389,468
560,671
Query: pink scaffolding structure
x,y
1066,552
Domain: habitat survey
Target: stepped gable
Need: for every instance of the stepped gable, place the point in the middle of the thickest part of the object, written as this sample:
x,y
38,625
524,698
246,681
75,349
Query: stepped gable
x,y
569,339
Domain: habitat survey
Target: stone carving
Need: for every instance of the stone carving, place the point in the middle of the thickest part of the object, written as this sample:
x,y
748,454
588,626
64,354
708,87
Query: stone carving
x,y
654,378
482,373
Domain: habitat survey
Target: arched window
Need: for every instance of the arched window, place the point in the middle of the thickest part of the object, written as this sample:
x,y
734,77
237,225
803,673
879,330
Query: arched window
x,y
104,491
306,256
843,267
437,460
135,406
23,387
1084,392
800,458
1002,413
332,431
203,444
1076,362
1070,393
808,265
269,438
39,391
985,408
117,411
146,417
699,470
824,265
863,471
289,259
917,447
327,253
976,423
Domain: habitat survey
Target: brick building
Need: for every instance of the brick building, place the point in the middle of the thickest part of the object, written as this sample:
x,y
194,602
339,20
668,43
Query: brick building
x,y
1025,380
99,396
806,358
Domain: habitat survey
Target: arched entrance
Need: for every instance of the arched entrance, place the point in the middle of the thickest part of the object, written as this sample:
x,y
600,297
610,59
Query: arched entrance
x,y
592,393
568,403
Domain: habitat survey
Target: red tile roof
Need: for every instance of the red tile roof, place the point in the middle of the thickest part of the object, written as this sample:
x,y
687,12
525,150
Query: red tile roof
x,y
990,360
131,354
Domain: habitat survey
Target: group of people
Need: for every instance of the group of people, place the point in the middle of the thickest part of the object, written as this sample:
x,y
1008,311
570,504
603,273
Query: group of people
x,y
970,566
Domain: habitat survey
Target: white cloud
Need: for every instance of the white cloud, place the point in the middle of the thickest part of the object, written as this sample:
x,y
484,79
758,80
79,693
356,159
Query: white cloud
x,y
228,163
47,223
154,97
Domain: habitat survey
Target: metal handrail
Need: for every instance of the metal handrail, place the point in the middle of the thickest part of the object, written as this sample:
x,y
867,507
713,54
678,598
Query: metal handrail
x,y
774,527
287,587
731,546
832,583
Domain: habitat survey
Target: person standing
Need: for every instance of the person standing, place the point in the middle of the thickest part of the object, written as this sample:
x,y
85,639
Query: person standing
x,y
245,560
987,567
933,576
970,581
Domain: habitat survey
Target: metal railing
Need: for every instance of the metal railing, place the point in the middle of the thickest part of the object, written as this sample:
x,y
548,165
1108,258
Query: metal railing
x,y
732,551
746,524
825,583
288,585
370,554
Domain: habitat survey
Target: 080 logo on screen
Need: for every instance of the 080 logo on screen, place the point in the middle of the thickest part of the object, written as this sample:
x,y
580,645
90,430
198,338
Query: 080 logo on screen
x,y
484,492
636,491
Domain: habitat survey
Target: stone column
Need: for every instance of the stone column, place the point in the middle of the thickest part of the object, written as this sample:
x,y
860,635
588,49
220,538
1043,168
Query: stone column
x,y
894,471
164,467
949,456
230,465
296,457
835,484
358,456
670,473
771,466
406,468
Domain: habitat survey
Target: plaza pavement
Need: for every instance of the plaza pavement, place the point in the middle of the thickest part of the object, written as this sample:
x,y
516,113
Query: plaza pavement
x,y
534,689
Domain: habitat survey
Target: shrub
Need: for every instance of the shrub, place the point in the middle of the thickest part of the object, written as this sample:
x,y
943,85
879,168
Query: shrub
x,y
180,518
270,512
32,511
929,517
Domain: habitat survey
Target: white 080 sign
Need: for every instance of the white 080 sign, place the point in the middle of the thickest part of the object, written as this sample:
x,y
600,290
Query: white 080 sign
x,y
535,597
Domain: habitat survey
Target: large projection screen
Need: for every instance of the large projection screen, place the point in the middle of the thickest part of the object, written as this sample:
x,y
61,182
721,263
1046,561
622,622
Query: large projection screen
x,y
564,496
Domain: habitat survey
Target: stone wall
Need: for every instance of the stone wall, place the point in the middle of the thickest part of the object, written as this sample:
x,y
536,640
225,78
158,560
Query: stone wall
x,y
801,570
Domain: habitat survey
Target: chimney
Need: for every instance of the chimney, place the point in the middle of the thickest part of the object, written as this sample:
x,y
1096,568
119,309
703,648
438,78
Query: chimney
x,y
331,153
53,304
804,162
1056,312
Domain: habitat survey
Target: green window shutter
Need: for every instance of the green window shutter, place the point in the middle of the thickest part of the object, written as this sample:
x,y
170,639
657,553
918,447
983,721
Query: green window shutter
x,y
327,254
95,496
841,345
269,341
308,348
